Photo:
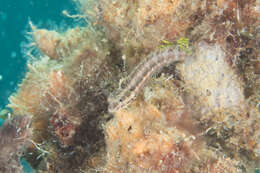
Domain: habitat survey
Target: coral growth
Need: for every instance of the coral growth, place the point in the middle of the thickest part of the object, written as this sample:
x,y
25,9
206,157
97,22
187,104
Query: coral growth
x,y
198,115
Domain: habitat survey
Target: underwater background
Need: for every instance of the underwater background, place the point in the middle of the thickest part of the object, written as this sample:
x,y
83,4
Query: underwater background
x,y
14,18
130,86
14,28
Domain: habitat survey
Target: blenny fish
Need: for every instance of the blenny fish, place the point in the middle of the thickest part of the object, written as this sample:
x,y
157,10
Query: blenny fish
x,y
141,73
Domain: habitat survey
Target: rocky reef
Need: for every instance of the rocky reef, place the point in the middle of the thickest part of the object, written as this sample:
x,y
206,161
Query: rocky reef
x,y
15,134
199,113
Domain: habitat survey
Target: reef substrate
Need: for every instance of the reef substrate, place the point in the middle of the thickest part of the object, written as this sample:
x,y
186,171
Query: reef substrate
x,y
200,114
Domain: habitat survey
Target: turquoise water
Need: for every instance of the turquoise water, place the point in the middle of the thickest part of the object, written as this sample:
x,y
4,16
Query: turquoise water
x,y
1,121
14,17
26,166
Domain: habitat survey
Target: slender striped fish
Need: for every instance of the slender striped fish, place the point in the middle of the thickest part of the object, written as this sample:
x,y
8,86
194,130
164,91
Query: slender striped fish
x,y
141,73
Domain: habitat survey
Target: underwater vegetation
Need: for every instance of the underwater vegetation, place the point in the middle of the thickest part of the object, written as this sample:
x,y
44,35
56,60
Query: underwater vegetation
x,y
157,86
14,134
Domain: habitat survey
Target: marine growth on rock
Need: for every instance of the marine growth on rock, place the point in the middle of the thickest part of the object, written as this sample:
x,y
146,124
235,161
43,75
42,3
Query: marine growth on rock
x,y
157,86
